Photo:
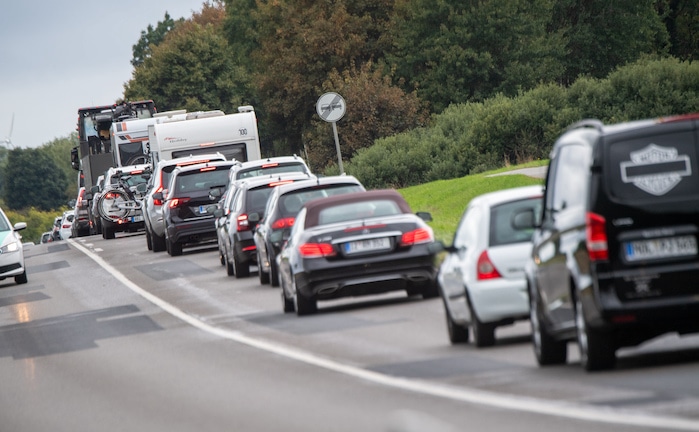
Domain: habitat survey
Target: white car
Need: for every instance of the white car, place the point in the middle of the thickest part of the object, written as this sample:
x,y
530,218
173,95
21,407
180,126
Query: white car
x,y
66,229
482,280
11,250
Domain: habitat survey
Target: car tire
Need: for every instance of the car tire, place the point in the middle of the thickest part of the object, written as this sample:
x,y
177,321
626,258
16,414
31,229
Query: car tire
x,y
304,305
264,277
430,290
173,248
241,269
21,278
273,272
287,303
158,243
483,333
221,256
149,240
547,350
108,233
457,332
597,350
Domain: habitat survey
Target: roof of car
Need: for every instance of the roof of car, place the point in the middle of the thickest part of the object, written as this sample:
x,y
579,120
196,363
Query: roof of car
x,y
198,166
315,206
188,160
281,178
330,180
512,194
276,159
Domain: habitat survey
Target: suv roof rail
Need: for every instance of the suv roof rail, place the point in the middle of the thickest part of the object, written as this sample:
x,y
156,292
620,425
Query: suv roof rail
x,y
593,123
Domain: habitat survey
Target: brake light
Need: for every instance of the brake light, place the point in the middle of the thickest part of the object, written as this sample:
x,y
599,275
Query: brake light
x,y
177,202
158,202
243,223
316,250
596,237
270,165
417,236
279,183
283,223
136,172
111,195
193,162
485,268
207,169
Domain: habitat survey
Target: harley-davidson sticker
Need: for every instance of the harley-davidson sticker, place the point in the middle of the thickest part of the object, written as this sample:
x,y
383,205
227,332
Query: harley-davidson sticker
x,y
655,169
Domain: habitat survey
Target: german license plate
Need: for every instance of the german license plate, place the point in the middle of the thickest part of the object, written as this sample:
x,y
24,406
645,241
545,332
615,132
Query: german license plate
x,y
667,247
202,209
137,219
368,245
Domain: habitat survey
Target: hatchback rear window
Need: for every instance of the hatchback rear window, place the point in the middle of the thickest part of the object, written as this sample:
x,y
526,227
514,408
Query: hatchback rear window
x,y
654,167
192,181
502,231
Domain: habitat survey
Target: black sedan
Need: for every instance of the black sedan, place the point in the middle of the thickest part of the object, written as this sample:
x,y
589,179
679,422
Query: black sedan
x,y
356,244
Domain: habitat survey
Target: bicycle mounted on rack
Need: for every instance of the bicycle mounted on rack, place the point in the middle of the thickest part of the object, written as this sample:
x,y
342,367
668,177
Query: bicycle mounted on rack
x,y
120,204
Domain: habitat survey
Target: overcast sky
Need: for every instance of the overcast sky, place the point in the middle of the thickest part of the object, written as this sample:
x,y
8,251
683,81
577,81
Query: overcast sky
x,y
60,55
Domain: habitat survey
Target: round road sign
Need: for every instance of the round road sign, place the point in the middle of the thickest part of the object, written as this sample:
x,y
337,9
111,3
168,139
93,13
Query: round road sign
x,y
330,107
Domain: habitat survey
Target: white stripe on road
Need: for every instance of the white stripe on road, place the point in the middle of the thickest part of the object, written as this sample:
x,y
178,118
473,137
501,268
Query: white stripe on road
x,y
532,405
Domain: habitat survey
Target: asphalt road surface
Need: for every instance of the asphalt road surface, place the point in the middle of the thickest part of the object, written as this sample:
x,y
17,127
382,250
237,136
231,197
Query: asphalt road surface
x,y
109,336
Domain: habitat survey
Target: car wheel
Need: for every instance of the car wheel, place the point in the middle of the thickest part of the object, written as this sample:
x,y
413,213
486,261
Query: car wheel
x,y
221,256
273,272
430,290
158,243
241,269
287,303
108,233
457,332
483,333
22,278
149,240
304,305
548,351
597,351
264,277
173,248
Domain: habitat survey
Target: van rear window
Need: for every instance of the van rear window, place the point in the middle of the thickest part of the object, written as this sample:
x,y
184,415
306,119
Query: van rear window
x,y
653,167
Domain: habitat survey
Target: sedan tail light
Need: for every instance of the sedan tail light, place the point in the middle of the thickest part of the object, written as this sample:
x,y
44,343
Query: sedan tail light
x,y
596,237
418,236
485,269
316,250
283,223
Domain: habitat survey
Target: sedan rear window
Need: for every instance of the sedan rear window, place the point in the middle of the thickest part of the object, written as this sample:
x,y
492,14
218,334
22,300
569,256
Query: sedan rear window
x,y
291,203
358,210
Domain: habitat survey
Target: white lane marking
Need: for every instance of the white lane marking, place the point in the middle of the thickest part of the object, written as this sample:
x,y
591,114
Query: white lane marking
x,y
532,405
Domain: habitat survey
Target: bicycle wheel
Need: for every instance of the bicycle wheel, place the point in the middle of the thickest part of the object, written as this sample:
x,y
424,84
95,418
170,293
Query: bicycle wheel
x,y
109,205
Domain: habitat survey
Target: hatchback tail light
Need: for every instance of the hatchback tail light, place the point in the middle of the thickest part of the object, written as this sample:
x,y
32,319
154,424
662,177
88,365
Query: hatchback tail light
x,y
283,223
243,224
158,202
485,269
417,236
596,237
177,202
316,250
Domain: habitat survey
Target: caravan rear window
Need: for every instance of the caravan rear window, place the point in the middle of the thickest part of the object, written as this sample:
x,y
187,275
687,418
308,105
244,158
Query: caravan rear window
x,y
654,167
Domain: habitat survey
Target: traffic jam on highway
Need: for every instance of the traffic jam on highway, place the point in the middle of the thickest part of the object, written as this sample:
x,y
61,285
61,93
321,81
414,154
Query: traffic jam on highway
x,y
603,254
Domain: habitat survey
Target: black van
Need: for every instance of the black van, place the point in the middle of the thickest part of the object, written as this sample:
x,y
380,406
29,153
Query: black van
x,y
614,260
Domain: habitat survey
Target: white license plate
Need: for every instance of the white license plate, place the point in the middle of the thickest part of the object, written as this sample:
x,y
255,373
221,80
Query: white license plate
x,y
368,245
137,219
202,209
661,248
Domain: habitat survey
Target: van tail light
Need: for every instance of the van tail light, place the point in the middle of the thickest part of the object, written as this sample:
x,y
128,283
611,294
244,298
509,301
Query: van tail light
x,y
417,236
596,237
243,224
283,223
316,250
485,269
177,202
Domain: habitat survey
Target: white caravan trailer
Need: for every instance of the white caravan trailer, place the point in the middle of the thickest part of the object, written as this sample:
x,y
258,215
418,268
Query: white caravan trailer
x,y
233,135
129,137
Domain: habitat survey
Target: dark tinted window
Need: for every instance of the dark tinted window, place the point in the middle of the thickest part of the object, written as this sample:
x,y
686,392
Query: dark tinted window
x,y
651,167
501,230
291,203
230,151
201,180
358,210
256,200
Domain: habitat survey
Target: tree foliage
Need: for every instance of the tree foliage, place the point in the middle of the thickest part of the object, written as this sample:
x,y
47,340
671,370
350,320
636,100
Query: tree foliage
x,y
151,37
31,178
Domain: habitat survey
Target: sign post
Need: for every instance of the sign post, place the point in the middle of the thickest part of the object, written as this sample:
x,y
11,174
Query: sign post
x,y
331,108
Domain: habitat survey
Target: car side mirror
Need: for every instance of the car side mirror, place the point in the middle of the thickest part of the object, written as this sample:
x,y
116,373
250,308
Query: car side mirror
x,y
88,196
218,212
254,217
158,196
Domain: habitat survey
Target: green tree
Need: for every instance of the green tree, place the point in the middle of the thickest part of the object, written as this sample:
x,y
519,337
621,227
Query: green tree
x,y
31,178
152,37
682,21
458,51
601,35
191,69
58,150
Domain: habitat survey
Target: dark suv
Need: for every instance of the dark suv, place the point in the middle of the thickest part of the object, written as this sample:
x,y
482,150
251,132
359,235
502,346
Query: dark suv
x,y
614,260
186,213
